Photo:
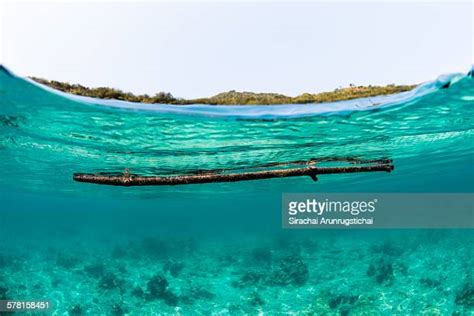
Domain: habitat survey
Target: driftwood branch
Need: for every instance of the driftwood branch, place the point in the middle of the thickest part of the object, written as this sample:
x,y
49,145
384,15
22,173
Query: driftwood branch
x,y
128,179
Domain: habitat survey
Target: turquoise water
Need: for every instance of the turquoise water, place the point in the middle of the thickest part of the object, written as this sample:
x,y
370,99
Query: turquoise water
x,y
219,248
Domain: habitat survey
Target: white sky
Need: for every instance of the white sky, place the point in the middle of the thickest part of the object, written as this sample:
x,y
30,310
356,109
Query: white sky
x,y
195,49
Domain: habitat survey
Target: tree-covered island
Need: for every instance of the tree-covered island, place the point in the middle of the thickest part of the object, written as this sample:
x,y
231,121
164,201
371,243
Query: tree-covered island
x,y
229,98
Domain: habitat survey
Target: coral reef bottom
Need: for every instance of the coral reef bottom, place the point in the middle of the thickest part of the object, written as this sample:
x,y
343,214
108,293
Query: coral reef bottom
x,y
345,273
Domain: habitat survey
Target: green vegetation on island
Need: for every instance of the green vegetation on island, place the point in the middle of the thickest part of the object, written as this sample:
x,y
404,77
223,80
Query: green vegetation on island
x,y
229,98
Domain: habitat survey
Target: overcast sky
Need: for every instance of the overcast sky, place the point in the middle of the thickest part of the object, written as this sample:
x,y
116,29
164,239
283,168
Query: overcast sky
x,y
196,49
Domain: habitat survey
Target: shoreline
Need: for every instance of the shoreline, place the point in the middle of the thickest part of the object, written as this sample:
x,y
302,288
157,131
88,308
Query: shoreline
x,y
231,97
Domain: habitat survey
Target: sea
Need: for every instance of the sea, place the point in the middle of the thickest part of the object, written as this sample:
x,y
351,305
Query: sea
x,y
220,248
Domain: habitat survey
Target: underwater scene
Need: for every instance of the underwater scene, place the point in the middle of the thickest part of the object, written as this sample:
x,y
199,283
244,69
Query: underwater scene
x,y
219,248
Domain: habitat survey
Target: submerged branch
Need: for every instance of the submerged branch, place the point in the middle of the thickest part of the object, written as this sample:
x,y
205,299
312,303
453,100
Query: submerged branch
x,y
128,179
